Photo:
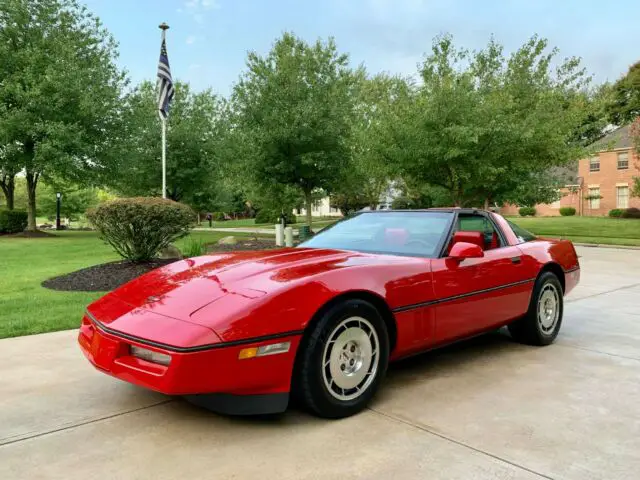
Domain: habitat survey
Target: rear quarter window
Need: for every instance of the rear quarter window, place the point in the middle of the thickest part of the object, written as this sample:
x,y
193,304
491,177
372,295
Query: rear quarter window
x,y
522,234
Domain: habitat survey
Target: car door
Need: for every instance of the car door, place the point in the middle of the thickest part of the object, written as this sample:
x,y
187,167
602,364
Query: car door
x,y
477,294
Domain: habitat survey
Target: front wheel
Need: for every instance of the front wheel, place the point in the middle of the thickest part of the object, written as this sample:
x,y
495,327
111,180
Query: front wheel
x,y
541,324
343,360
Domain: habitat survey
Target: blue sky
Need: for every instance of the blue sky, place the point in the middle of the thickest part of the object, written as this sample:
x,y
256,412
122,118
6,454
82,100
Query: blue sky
x,y
209,39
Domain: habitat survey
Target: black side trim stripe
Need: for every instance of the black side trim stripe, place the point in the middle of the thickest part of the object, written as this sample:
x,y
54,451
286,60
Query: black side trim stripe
x,y
572,270
463,295
198,348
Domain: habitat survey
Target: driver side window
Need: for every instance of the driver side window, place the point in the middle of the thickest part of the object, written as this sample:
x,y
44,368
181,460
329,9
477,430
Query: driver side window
x,y
479,223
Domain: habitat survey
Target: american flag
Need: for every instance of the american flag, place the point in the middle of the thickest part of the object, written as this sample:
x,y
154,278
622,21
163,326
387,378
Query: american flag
x,y
165,83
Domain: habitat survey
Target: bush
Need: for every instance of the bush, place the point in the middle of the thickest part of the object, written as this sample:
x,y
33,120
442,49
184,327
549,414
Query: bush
x,y
273,217
631,213
12,221
402,203
567,211
527,212
616,213
138,228
217,216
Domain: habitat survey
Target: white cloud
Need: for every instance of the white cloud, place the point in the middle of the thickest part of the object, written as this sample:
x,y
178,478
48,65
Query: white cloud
x,y
198,8
191,39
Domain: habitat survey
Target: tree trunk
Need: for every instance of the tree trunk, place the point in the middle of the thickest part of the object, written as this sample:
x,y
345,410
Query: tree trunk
x,y
8,185
308,203
486,204
32,183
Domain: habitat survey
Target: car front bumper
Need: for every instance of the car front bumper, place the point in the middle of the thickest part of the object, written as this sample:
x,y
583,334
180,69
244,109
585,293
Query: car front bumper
x,y
214,378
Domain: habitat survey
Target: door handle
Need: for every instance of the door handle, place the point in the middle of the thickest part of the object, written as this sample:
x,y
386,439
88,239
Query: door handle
x,y
516,260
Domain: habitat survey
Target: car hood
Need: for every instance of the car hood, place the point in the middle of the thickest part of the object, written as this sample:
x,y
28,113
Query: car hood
x,y
181,288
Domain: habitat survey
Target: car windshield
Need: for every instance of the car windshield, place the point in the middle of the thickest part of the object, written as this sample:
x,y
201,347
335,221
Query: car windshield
x,y
395,233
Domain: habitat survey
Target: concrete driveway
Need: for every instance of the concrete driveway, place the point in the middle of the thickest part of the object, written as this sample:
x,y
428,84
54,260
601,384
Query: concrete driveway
x,y
484,409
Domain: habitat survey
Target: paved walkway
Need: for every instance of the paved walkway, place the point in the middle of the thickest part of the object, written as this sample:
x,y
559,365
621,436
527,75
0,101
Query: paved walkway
x,y
232,230
485,409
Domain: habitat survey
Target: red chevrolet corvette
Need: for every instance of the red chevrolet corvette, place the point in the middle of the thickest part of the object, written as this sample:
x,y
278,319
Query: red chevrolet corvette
x,y
240,332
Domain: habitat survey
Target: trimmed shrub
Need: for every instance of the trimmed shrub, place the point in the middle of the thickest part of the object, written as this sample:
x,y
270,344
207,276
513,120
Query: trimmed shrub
x,y
273,217
631,213
527,212
12,221
138,228
567,211
616,213
402,203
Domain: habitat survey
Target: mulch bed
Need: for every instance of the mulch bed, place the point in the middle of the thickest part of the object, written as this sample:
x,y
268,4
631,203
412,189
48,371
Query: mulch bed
x,y
243,244
27,234
104,277
108,276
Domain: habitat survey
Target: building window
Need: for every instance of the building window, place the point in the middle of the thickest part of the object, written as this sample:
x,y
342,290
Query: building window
x,y
594,164
623,161
622,197
594,198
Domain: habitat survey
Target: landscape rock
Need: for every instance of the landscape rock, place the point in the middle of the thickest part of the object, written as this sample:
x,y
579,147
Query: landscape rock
x,y
230,240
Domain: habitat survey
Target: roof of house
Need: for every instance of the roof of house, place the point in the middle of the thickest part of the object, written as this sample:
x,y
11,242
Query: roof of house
x,y
618,138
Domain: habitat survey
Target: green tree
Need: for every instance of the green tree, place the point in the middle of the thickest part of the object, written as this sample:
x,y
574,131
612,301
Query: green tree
x,y
480,124
61,91
635,135
75,201
625,104
541,187
595,103
294,106
195,129
368,174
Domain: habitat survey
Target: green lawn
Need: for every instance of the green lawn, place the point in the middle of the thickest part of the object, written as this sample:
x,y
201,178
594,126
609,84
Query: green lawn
x,y
602,230
25,306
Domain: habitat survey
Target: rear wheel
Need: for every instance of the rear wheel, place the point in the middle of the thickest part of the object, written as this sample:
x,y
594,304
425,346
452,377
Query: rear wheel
x,y
343,360
541,324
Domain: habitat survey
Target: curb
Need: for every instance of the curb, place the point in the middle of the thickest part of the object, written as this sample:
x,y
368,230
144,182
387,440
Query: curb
x,y
601,245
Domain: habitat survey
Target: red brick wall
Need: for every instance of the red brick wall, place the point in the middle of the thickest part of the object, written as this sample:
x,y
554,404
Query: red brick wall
x,y
569,199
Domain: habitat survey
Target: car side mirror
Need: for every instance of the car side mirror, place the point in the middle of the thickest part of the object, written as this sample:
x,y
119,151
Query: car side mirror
x,y
462,250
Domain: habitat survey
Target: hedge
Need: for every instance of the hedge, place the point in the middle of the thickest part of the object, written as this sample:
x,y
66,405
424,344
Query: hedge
x,y
139,228
631,213
12,221
567,211
527,212
616,212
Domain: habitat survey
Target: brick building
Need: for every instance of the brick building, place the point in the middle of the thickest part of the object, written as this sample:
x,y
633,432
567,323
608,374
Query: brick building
x,y
609,174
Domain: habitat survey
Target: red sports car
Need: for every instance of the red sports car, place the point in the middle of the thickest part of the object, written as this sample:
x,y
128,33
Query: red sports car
x,y
240,332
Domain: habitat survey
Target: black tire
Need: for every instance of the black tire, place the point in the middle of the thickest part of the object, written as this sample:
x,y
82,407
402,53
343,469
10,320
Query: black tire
x,y
535,328
309,376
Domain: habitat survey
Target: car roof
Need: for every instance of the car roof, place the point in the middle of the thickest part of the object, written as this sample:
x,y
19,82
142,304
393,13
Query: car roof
x,y
427,210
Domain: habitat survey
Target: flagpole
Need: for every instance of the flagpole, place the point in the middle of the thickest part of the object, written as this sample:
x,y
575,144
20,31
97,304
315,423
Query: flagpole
x,y
164,27
164,158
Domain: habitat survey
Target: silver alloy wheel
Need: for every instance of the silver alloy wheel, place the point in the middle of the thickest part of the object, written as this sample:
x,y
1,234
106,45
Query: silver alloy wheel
x,y
548,308
350,358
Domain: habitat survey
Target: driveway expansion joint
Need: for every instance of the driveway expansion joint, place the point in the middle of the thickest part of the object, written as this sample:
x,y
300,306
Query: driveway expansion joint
x,y
425,429
5,442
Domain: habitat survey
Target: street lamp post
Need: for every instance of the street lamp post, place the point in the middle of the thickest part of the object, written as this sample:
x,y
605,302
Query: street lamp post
x,y
58,198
